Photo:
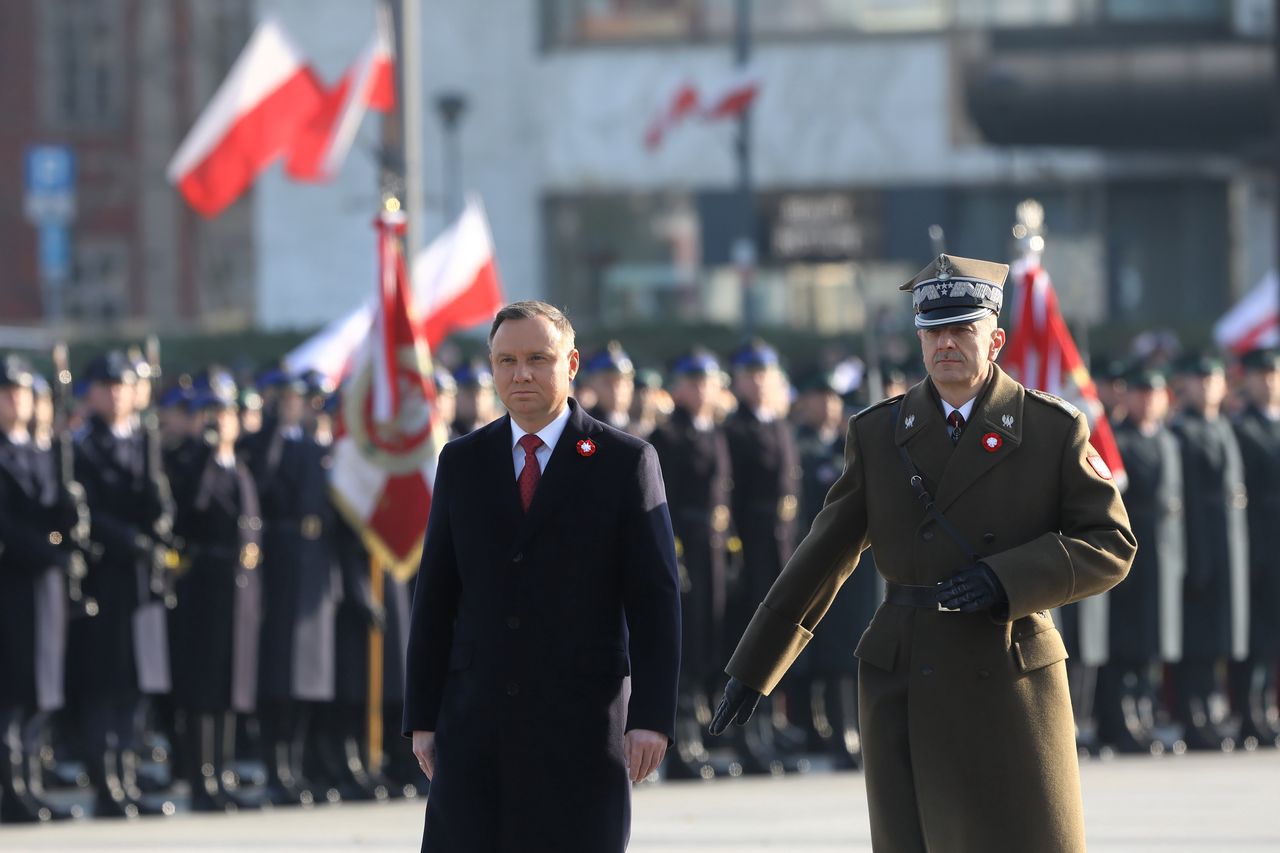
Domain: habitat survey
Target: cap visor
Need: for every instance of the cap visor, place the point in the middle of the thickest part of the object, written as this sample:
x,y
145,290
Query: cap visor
x,y
950,316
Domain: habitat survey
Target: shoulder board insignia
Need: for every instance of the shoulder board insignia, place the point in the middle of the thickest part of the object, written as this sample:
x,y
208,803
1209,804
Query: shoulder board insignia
x,y
886,402
1055,401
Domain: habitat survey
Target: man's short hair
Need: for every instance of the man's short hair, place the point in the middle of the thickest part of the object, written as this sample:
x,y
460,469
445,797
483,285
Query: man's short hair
x,y
529,309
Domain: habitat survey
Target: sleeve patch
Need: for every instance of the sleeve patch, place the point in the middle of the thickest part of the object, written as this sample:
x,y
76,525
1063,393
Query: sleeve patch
x,y
1100,467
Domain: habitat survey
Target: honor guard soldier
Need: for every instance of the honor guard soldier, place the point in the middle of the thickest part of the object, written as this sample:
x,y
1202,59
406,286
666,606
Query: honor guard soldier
x,y
766,486
215,627
987,507
37,515
121,655
446,403
820,430
1145,612
612,377
300,587
476,404
1253,681
650,405
1216,588
694,455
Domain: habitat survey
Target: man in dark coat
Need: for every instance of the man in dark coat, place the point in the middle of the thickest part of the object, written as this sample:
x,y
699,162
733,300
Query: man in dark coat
x,y
548,576
1253,681
1145,612
695,467
122,654
301,589
37,515
1216,590
215,627
766,487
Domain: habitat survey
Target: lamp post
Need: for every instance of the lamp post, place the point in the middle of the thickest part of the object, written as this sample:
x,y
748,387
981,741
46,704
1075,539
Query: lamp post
x,y
451,106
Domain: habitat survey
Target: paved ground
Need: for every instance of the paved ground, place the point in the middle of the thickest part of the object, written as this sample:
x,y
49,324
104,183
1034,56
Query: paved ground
x,y
1194,803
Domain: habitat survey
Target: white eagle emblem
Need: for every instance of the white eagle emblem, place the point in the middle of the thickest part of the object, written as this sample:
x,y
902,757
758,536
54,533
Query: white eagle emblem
x,y
992,442
1007,420
909,421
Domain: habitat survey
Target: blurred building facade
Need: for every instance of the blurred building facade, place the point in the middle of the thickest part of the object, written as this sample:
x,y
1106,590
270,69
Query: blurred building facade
x,y
120,81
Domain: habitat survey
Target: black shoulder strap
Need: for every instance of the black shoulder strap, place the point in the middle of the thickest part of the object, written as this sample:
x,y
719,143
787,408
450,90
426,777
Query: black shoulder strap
x,y
917,485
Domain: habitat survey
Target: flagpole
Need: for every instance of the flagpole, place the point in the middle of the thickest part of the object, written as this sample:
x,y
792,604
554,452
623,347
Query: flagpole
x,y
744,248
375,666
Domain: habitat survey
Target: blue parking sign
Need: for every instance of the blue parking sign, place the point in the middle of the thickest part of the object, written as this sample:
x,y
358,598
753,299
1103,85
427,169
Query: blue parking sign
x,y
51,184
54,252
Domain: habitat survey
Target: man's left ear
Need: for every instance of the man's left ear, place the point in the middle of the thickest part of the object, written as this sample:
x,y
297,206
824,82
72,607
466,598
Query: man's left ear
x,y
997,343
573,363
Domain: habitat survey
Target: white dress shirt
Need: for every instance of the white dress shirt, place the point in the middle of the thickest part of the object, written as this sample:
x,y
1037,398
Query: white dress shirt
x,y
549,434
965,411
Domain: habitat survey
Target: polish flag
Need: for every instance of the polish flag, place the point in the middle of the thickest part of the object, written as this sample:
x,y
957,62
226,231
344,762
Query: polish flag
x,y
734,96
1252,322
388,433
455,285
682,104
1043,355
323,142
252,119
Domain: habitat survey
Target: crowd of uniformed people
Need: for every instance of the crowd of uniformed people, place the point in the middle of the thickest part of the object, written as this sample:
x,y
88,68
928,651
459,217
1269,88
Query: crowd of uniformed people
x,y
185,614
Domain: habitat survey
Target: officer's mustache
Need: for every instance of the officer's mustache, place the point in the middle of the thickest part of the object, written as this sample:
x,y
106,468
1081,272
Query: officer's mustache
x,y
948,356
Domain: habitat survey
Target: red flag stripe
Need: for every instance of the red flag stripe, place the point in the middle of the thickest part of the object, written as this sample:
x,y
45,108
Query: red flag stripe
x,y
476,303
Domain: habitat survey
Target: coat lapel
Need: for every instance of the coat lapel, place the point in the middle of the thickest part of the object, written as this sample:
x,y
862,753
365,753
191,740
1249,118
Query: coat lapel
x,y
924,432
564,468
998,413
498,468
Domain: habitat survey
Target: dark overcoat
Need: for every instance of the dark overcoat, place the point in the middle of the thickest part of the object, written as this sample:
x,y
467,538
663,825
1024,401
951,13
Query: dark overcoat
x,y
1216,589
301,586
215,627
36,517
695,468
525,628
125,648
1145,612
1259,438
968,736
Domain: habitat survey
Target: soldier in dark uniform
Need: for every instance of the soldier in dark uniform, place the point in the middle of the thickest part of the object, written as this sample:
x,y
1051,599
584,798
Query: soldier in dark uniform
x,y
1253,681
612,378
476,405
446,400
217,621
1215,592
301,590
37,514
1144,612
650,404
820,432
694,455
121,655
764,505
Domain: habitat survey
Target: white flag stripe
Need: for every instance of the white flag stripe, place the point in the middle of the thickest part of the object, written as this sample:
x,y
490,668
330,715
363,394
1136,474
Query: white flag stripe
x,y
356,103
450,264
357,479
1252,312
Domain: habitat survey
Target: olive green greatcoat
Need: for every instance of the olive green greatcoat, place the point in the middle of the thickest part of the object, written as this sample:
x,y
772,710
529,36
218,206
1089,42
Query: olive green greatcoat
x,y
966,721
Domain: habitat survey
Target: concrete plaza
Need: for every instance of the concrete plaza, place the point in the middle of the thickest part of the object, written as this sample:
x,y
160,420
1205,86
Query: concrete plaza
x,y
1194,803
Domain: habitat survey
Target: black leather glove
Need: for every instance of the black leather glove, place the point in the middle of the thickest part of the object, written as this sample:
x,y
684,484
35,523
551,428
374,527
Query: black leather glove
x,y
737,706
973,589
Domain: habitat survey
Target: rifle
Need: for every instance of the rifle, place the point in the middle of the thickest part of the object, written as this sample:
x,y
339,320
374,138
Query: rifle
x,y
78,535
165,560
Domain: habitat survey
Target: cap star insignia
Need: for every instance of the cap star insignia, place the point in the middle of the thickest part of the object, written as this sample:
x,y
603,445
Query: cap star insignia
x,y
1007,420
586,447
909,421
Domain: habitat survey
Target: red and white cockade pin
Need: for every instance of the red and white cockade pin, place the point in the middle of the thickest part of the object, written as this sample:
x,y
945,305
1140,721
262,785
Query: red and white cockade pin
x,y
992,441
586,447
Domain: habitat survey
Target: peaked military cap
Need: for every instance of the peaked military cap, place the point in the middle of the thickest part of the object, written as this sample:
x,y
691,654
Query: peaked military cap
x,y
612,359
647,377
1265,359
112,367
1144,379
474,374
825,381
1198,364
953,290
445,383
696,363
15,372
756,355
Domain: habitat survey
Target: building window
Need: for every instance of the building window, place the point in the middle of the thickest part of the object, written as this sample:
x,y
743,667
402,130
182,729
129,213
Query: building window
x,y
82,49
99,288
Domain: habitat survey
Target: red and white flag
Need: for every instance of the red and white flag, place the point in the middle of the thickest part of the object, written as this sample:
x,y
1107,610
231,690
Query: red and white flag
x,y
728,98
322,143
1252,322
253,118
1043,355
733,96
682,103
455,285
388,433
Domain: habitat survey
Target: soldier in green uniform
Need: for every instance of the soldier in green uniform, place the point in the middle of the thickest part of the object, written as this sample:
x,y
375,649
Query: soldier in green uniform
x,y
986,506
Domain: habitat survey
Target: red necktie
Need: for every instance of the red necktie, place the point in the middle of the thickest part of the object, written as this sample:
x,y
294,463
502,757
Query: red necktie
x,y
530,473
956,420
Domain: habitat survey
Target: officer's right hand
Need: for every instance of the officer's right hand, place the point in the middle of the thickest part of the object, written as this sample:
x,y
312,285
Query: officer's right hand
x,y
424,749
737,706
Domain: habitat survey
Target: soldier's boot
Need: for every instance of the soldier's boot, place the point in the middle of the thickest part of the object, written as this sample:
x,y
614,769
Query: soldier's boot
x,y
752,744
200,765
1249,693
316,754
109,799
33,771
835,712
689,759
283,787
364,776
162,806
230,785
337,743
18,803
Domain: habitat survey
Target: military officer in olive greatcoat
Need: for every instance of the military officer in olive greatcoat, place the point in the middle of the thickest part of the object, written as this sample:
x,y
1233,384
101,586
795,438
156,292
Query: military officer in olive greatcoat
x,y
987,506
1253,681
1216,586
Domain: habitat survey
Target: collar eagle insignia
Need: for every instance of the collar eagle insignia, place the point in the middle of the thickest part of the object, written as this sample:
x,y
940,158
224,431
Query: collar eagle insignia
x,y
1007,420
586,447
909,421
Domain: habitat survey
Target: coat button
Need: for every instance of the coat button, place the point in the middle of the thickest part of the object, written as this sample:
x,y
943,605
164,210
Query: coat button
x,y
926,670
513,622
927,536
518,557
988,538
512,688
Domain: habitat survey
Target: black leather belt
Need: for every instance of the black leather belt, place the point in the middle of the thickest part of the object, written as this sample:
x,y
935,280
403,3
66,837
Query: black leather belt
x,y
908,595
